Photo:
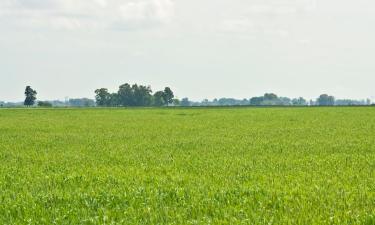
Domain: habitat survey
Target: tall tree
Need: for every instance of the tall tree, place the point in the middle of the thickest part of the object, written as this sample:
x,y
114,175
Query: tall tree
x,y
142,95
158,98
168,96
326,100
30,96
114,100
102,97
126,95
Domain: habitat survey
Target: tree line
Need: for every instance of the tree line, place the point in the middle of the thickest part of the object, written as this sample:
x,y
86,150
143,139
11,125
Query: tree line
x,y
31,100
271,99
140,95
134,95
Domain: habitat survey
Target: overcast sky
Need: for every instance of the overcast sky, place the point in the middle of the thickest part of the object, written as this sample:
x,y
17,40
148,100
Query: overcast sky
x,y
201,48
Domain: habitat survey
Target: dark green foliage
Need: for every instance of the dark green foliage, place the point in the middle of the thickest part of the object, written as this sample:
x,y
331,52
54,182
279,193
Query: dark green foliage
x,y
139,95
125,95
103,97
44,104
273,100
326,100
270,97
133,95
158,99
30,96
168,96
142,95
114,100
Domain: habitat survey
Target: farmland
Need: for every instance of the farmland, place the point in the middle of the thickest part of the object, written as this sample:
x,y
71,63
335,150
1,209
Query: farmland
x,y
187,166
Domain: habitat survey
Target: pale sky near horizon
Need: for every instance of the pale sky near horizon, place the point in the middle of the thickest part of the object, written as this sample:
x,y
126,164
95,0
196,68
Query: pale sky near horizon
x,y
200,48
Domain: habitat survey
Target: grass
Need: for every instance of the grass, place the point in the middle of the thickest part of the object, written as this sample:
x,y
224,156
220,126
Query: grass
x,y
187,166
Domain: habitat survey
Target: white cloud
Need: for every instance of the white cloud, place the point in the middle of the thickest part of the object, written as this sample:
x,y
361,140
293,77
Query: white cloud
x,y
87,13
270,18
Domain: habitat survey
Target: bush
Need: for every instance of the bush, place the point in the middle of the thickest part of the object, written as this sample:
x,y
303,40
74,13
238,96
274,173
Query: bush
x,y
44,104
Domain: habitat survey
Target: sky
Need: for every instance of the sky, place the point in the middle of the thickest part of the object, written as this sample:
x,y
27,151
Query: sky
x,y
200,48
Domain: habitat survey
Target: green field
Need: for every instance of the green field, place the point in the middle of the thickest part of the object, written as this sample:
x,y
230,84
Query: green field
x,y
187,166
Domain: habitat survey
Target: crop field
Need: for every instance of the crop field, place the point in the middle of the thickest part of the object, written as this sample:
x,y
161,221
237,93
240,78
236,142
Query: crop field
x,y
187,166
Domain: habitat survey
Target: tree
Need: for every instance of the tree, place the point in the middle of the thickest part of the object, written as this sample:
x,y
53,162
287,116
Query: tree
x,y
245,101
176,102
142,95
168,96
205,102
349,102
158,98
283,101
134,95
81,102
44,104
102,97
270,97
114,100
30,96
185,102
125,95
256,101
325,100
299,101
